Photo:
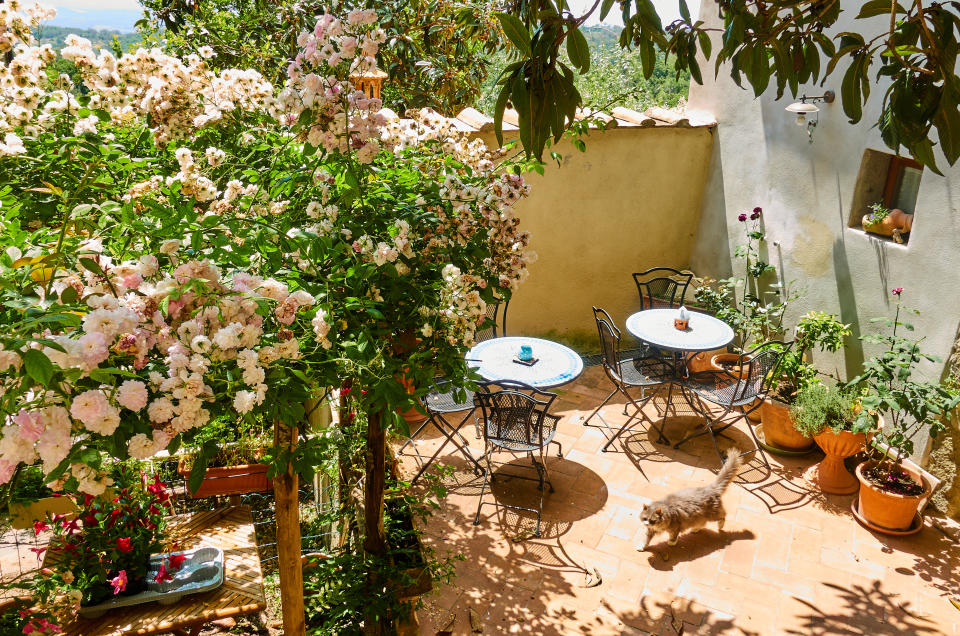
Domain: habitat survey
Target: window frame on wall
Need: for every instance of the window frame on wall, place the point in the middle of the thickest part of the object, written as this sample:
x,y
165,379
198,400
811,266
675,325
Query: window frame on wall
x,y
893,190
888,180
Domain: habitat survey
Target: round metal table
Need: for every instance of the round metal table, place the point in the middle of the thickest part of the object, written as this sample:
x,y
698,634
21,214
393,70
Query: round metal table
x,y
556,365
704,332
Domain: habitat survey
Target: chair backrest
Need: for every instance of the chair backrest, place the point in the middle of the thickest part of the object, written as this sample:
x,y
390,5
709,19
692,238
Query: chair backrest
x,y
513,411
761,364
609,342
662,287
495,324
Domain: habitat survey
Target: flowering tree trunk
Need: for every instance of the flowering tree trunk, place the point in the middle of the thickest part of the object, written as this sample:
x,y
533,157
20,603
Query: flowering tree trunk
x,y
285,491
375,541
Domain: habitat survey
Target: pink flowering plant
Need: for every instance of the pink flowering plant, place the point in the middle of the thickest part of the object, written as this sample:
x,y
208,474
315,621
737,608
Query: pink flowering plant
x,y
102,550
184,246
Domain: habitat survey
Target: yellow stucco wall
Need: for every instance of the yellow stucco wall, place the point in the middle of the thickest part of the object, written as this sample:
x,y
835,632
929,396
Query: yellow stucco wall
x,y
630,202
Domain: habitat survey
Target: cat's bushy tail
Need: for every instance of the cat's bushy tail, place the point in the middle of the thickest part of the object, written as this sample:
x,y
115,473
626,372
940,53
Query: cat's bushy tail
x,y
730,468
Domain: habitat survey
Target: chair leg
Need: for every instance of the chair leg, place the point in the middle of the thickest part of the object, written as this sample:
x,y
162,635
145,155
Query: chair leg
x,y
753,434
602,404
546,473
487,473
559,448
630,421
541,472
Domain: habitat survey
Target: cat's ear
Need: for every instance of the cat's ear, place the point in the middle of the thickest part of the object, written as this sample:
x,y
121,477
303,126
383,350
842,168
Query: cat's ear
x,y
658,511
645,506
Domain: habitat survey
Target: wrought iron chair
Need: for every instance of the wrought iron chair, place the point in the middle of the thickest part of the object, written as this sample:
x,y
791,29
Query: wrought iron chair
x,y
443,401
645,373
439,403
496,322
516,419
662,287
735,393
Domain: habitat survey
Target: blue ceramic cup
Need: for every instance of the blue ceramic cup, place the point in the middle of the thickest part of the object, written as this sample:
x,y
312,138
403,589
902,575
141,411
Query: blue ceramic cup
x,y
526,353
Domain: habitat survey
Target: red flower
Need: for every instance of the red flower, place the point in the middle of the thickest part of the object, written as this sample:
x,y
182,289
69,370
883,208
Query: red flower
x,y
39,526
38,551
742,218
123,544
896,291
176,561
162,574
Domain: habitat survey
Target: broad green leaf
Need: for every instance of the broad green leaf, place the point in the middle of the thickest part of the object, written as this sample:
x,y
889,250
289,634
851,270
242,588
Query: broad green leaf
x,y
578,50
38,366
514,29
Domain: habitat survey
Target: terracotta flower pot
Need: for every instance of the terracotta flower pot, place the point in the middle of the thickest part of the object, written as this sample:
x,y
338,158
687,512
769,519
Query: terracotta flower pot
x,y
883,510
229,480
703,361
897,220
830,474
728,362
778,428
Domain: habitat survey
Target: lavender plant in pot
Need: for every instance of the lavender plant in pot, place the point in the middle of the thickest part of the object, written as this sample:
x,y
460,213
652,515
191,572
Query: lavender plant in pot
x,y
795,373
891,493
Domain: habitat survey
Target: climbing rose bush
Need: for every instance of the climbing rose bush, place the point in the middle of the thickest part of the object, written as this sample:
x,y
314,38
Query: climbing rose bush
x,y
183,245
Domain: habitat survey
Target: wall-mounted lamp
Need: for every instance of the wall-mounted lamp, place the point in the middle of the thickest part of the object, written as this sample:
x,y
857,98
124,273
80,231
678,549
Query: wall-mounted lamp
x,y
808,106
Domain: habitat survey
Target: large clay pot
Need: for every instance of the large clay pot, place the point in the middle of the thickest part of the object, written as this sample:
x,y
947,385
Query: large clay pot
x,y
897,221
830,474
778,428
703,361
728,362
884,510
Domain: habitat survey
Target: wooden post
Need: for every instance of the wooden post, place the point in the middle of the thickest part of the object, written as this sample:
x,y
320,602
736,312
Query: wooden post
x,y
285,492
374,541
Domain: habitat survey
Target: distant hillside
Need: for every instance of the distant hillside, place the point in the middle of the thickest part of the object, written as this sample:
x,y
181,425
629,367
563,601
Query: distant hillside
x,y
56,37
601,36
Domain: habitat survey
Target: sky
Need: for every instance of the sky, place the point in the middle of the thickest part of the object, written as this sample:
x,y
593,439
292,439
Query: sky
x,y
121,14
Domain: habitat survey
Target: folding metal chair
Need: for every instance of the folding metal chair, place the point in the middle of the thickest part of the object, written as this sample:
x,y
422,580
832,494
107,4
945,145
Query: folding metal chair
x,y
740,394
625,374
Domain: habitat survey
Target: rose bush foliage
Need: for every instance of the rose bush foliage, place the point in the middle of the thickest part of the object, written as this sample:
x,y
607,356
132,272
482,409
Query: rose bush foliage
x,y
183,244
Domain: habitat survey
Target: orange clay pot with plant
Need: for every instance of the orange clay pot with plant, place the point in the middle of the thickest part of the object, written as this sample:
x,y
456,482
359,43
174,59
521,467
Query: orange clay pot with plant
x,y
890,496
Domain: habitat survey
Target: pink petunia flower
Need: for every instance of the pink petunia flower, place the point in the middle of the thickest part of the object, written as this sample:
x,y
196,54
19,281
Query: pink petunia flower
x,y
896,291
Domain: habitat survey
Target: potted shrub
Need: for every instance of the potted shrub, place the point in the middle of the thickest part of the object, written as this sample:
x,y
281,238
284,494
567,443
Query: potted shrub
x,y
795,373
890,493
829,415
104,550
226,461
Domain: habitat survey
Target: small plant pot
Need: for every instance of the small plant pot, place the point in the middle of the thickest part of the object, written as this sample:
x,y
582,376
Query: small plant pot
x,y
778,428
229,480
830,475
703,361
728,362
885,511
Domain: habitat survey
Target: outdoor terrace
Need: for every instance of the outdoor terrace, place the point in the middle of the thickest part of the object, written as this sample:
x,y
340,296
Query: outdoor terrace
x,y
791,560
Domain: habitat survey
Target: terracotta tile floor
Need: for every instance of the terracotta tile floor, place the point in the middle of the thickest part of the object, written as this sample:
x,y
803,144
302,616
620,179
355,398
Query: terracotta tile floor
x,y
790,561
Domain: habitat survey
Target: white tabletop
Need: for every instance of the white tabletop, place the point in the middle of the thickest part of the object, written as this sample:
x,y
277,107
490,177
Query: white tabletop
x,y
557,364
704,332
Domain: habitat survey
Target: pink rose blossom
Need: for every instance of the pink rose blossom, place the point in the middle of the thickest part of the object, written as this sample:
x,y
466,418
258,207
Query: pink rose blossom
x,y
89,407
132,395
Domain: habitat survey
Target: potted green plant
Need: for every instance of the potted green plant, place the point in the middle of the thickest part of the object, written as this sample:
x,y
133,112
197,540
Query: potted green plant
x,y
795,373
226,460
830,415
104,549
890,492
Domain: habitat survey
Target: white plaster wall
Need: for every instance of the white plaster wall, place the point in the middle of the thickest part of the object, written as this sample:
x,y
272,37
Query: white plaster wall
x,y
761,157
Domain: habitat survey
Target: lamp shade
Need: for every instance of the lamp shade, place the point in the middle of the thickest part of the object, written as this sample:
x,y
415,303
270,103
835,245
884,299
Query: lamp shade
x,y
802,107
